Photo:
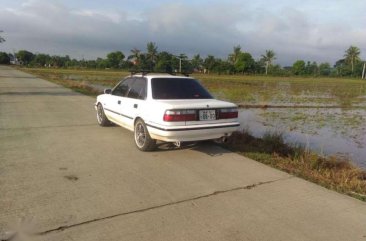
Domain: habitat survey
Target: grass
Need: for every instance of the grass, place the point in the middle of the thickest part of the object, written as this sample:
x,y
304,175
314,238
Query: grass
x,y
104,77
77,80
81,87
330,172
242,89
286,90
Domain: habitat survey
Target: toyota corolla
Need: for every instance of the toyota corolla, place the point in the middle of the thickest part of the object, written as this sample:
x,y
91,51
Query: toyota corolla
x,y
166,107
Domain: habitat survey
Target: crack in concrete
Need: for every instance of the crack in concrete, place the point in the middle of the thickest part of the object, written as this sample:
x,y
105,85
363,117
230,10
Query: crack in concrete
x,y
248,187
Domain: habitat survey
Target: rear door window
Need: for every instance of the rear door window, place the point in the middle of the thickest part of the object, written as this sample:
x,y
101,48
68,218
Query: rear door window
x,y
123,87
138,89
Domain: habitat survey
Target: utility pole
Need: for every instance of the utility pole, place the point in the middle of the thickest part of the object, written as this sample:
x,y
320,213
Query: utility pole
x,y
181,58
180,62
363,71
180,65
15,59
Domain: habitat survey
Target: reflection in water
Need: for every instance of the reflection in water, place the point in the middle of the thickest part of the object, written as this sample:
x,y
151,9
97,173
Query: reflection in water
x,y
326,131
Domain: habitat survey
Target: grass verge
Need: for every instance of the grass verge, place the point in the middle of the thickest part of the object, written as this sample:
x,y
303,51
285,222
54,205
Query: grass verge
x,y
79,86
330,172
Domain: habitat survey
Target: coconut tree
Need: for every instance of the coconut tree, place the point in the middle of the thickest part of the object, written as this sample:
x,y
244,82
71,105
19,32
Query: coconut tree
x,y
352,55
233,57
209,63
1,38
197,62
152,52
136,54
268,58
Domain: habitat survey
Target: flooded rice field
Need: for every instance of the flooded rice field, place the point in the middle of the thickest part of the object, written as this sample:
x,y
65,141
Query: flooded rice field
x,y
327,131
325,115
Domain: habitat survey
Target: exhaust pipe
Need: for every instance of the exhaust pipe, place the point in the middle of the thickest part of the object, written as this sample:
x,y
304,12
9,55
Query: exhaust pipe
x,y
221,140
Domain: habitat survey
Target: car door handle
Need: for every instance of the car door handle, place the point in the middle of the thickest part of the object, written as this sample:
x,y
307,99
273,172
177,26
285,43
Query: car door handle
x,y
135,106
119,102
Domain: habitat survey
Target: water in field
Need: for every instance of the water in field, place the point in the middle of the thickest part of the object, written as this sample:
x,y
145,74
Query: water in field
x,y
327,131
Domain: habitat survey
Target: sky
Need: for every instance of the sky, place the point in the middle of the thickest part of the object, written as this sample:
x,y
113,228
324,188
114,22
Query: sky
x,y
311,30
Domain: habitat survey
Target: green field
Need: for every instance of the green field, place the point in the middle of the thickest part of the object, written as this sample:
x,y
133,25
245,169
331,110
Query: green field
x,y
241,89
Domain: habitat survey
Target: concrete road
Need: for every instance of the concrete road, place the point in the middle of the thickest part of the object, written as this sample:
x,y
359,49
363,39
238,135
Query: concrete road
x,y
62,177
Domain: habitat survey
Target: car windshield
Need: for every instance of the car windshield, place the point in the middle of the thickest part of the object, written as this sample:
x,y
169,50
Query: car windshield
x,y
178,88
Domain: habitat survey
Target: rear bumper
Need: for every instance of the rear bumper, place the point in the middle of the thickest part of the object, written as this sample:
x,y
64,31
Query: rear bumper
x,y
193,132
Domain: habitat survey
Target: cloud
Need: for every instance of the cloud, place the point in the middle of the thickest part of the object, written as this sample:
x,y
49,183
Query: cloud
x,y
293,34
100,15
48,27
199,29
291,31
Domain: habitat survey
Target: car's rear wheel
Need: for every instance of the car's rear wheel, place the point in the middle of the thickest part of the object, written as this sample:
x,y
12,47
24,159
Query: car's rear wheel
x,y
143,140
101,117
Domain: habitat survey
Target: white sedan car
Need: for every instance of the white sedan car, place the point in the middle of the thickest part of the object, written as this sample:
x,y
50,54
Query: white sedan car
x,y
167,108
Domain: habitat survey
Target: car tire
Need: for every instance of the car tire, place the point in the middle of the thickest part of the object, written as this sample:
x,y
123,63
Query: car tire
x,y
143,140
101,117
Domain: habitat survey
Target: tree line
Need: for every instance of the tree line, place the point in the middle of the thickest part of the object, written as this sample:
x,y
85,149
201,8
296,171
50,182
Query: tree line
x,y
237,62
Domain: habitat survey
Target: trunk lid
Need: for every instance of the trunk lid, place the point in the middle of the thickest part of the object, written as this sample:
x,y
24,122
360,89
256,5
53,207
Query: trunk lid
x,y
199,105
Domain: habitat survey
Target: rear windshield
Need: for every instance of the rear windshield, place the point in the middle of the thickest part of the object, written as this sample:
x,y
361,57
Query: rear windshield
x,y
178,88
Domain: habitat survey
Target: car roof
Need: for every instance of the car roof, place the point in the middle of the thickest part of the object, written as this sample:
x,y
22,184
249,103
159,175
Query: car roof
x,y
159,75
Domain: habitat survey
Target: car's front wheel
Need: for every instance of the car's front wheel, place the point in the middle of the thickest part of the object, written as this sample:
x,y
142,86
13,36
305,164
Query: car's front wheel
x,y
101,117
143,140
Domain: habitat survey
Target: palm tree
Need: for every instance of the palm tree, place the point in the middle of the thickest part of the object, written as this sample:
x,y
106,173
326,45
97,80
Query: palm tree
x,y
136,54
209,63
152,52
197,62
182,56
233,57
1,38
268,58
352,55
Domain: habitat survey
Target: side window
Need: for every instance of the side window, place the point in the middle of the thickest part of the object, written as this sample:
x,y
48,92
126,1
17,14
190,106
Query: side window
x,y
123,87
138,89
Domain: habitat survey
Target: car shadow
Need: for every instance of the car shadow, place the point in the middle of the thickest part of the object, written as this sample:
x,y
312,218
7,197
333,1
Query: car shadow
x,y
169,146
211,148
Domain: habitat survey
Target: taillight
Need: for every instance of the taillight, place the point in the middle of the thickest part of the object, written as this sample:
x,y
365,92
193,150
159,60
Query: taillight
x,y
228,113
180,115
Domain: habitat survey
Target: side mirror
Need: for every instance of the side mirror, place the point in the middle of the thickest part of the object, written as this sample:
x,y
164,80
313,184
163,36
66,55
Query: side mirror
x,y
107,91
